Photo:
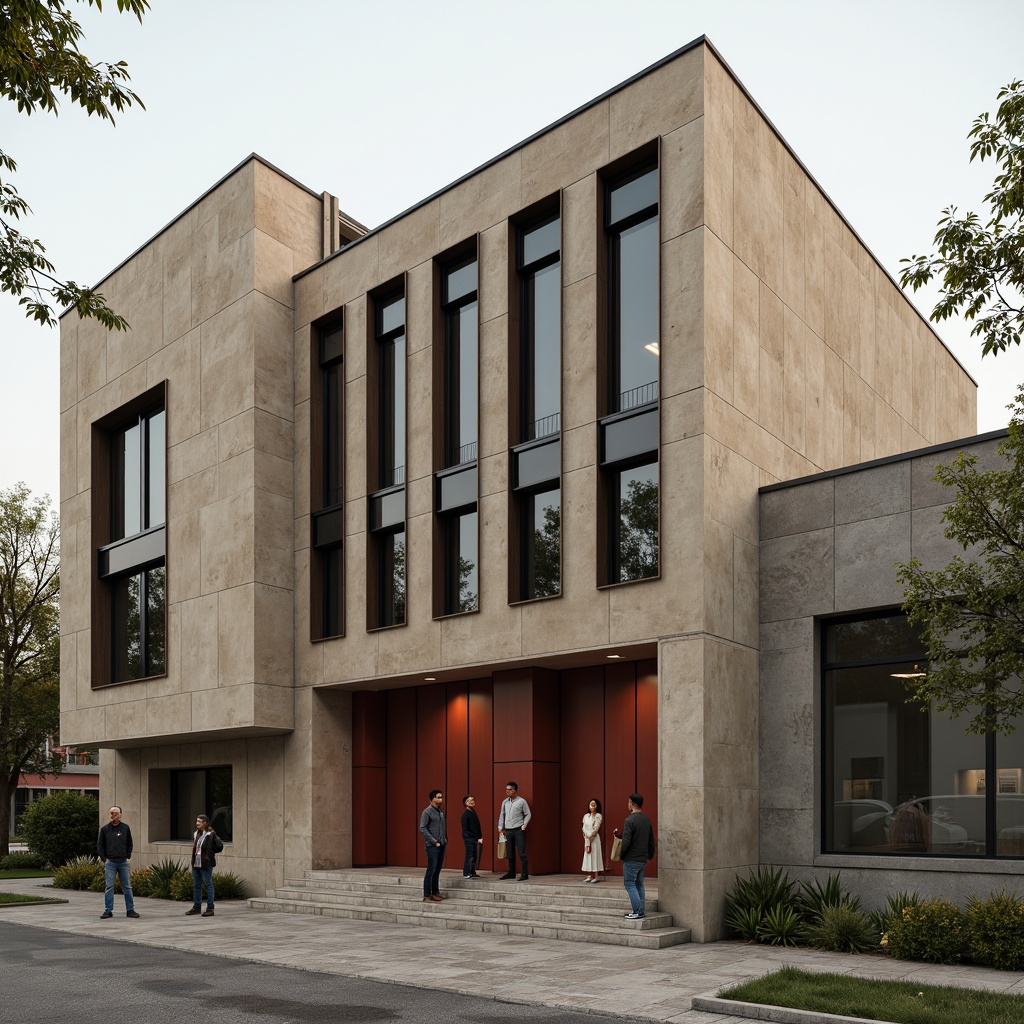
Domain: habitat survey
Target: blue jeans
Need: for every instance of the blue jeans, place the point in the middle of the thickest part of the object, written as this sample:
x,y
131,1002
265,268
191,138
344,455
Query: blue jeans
x,y
199,877
431,879
633,880
117,869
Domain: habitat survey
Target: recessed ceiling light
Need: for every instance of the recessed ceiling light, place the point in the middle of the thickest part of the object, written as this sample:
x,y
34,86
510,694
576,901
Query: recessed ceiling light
x,y
613,655
429,679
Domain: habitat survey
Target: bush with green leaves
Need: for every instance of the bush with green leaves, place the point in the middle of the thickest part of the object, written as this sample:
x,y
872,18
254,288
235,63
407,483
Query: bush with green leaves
x,y
995,930
226,886
751,898
162,874
81,873
842,928
61,826
814,897
932,931
781,925
21,862
882,918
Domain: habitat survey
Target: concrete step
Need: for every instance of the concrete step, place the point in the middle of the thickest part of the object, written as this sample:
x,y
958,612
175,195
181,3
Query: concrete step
x,y
566,913
440,915
598,896
545,908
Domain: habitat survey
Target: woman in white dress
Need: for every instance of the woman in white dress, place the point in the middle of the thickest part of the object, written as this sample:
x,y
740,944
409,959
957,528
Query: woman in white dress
x,y
593,862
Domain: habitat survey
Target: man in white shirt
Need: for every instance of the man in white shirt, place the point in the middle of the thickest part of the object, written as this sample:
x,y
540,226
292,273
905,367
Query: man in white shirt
x,y
512,822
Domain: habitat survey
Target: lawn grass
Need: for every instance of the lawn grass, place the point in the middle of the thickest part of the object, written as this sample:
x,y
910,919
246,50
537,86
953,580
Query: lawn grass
x,y
902,1002
9,898
26,873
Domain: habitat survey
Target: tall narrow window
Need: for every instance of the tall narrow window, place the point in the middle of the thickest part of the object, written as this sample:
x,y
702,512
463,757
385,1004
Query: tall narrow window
x,y
328,494
386,592
132,563
455,482
536,458
628,435
634,343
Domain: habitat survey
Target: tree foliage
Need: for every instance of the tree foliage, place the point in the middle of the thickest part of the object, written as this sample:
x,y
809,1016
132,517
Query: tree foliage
x,y
972,611
29,642
61,826
40,62
981,263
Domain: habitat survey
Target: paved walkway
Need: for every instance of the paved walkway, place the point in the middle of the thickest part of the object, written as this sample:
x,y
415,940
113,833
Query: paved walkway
x,y
653,984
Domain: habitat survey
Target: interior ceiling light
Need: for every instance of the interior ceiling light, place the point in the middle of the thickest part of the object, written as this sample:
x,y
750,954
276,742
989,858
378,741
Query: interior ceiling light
x,y
916,674
653,348
613,655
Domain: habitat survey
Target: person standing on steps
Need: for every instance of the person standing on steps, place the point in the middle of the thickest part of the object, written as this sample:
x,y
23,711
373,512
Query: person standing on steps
x,y
435,835
206,844
114,849
472,836
637,850
593,862
512,822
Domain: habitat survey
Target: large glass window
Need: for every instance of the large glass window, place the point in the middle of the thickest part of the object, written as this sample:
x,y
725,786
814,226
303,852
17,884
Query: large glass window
x,y
461,571
197,791
631,222
328,490
387,502
634,547
132,564
459,307
899,779
536,459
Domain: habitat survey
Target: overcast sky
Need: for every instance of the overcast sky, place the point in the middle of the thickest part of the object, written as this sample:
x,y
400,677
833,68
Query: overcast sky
x,y
382,103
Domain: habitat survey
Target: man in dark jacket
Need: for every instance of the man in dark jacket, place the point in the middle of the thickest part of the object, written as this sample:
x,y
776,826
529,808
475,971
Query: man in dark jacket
x,y
637,850
114,849
435,836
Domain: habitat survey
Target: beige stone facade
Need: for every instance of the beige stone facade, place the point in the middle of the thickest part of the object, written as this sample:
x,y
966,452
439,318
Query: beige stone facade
x,y
785,349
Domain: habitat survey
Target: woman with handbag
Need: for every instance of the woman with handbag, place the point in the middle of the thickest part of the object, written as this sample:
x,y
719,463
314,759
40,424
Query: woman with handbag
x,y
593,861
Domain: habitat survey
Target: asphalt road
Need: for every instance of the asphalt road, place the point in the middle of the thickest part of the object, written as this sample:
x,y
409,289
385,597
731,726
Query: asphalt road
x,y
47,976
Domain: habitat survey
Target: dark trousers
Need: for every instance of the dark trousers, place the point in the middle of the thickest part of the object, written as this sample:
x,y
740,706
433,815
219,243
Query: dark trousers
x,y
201,877
469,864
431,879
515,839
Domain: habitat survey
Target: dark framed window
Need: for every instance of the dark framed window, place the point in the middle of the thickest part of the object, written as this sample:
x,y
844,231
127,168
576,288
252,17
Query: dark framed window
x,y
456,554
386,425
461,344
634,523
197,791
541,544
899,780
327,479
631,225
130,608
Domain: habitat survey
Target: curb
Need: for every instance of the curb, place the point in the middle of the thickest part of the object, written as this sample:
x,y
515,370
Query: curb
x,y
778,1014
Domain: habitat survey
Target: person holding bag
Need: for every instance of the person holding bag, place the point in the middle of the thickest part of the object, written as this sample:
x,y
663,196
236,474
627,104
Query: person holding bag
x,y
593,861
206,844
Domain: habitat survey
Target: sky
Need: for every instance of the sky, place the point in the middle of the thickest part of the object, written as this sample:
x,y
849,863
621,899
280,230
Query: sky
x,y
383,103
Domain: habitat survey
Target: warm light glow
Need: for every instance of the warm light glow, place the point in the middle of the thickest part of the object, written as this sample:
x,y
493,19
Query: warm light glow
x,y
653,348
429,679
916,674
613,655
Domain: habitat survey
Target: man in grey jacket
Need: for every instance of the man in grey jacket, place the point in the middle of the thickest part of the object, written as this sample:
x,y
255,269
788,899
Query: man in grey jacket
x,y
637,850
435,835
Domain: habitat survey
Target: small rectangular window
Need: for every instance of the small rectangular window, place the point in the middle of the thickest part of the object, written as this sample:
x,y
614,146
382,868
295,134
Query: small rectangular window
x,y
541,544
461,342
196,791
634,548
461,576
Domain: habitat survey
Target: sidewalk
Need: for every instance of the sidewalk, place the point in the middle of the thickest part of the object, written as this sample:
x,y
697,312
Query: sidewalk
x,y
653,984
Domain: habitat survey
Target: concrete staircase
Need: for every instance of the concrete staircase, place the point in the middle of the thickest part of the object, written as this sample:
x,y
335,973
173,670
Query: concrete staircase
x,y
552,907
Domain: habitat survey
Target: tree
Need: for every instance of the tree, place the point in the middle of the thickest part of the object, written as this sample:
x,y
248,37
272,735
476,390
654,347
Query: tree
x,y
29,642
981,266
61,826
972,611
40,62
638,531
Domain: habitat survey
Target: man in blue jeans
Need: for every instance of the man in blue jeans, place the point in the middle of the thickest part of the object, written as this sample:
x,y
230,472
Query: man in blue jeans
x,y
637,850
114,849
432,828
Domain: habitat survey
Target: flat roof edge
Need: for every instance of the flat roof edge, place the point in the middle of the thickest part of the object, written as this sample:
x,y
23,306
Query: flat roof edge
x,y
886,460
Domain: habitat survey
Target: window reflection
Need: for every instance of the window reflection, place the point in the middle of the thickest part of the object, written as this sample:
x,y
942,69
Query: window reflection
x,y
635,544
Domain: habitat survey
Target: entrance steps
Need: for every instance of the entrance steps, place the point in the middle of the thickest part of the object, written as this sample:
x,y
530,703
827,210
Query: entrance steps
x,y
548,907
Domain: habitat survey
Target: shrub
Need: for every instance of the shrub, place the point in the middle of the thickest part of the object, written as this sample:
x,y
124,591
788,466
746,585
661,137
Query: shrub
x,y
81,873
21,861
882,918
781,925
61,826
751,898
226,886
842,928
815,897
932,931
161,876
141,879
995,928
